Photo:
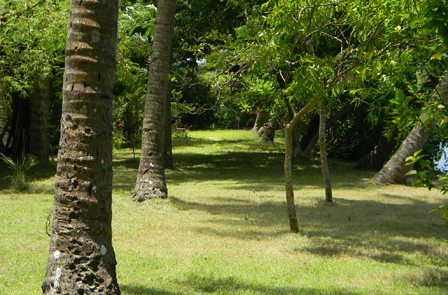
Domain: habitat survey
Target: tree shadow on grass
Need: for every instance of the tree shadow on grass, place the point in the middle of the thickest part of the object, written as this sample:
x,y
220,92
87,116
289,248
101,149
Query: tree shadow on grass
x,y
389,232
251,170
230,285
254,171
433,278
141,290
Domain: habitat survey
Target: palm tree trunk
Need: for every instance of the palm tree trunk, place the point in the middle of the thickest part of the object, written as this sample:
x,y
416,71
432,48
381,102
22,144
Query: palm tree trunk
x,y
81,258
151,173
394,172
323,154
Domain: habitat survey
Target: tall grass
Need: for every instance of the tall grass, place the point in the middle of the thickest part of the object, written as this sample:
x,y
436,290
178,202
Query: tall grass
x,y
224,228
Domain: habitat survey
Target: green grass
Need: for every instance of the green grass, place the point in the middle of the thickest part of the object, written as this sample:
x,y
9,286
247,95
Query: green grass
x,y
224,228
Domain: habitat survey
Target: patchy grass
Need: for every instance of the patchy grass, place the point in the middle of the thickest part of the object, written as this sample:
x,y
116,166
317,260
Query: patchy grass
x,y
224,228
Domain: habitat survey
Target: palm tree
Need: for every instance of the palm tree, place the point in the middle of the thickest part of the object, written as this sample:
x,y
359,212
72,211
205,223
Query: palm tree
x,y
81,258
151,173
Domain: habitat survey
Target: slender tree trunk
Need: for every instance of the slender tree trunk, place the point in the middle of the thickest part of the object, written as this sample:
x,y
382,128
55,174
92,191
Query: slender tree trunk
x,y
323,154
293,223
168,147
151,174
81,258
39,130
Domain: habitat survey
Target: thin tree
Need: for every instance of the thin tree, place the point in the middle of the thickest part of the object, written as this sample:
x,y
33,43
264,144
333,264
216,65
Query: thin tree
x,y
323,153
81,258
289,128
151,173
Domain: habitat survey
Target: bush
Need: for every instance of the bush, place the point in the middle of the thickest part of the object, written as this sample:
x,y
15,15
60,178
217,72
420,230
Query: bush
x,y
19,178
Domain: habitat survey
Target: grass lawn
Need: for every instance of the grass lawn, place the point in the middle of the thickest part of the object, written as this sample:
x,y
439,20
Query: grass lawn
x,y
224,228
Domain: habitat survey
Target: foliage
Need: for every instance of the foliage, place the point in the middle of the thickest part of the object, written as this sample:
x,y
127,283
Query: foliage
x,y
30,46
20,169
135,30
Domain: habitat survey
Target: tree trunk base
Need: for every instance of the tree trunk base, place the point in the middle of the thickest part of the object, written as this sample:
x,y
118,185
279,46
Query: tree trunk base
x,y
143,194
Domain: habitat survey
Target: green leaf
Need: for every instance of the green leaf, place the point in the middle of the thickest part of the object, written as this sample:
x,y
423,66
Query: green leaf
x,y
399,94
425,164
436,56
412,172
414,23
408,69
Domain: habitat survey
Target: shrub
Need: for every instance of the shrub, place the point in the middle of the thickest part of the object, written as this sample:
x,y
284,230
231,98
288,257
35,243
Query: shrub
x,y
19,178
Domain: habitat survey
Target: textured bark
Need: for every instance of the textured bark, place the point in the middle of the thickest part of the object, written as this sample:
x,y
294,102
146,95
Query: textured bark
x,y
151,173
168,147
339,115
323,154
293,223
81,258
269,131
394,172
39,130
